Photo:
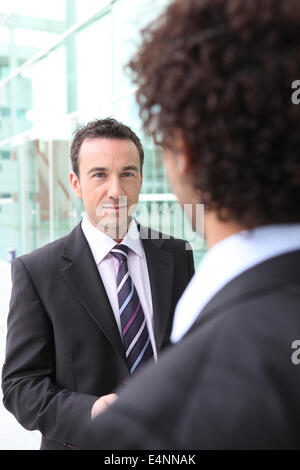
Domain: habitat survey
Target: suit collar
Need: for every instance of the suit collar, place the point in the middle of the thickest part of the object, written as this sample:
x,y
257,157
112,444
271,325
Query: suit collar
x,y
101,244
228,259
278,273
82,275
74,243
160,264
155,237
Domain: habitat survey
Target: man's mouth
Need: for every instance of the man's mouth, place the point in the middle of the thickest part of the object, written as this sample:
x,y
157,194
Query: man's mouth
x,y
114,208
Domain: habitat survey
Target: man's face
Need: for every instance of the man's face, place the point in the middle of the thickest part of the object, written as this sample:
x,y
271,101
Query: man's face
x,y
109,183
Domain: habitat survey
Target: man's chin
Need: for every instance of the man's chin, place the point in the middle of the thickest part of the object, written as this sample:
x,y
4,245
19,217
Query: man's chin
x,y
115,227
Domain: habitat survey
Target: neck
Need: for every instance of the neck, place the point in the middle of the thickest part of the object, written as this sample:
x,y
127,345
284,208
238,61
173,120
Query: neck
x,y
115,229
216,230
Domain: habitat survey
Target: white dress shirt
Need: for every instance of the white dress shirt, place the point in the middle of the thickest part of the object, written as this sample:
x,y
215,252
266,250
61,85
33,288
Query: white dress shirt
x,y
100,245
226,260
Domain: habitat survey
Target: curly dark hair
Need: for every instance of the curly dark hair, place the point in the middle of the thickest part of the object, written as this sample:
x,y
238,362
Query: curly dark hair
x,y
222,72
108,128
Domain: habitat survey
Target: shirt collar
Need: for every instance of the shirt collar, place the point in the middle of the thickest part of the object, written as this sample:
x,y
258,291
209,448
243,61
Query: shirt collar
x,y
101,244
225,261
132,239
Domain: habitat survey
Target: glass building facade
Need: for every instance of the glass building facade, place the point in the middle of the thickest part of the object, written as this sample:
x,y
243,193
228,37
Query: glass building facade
x,y
62,65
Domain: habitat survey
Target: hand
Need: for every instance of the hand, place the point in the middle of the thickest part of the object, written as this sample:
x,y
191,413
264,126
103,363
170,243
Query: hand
x,y
102,404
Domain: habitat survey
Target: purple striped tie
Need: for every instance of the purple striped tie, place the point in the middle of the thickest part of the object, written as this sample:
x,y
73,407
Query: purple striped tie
x,y
135,333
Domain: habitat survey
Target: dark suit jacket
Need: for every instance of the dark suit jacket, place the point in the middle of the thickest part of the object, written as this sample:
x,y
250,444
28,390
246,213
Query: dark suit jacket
x,y
64,349
230,383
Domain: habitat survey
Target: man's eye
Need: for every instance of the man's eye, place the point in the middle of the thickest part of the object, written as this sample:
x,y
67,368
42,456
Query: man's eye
x,y
99,175
127,174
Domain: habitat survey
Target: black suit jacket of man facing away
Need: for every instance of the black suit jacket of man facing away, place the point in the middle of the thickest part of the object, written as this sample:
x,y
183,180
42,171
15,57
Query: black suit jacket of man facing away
x,y
230,383
223,72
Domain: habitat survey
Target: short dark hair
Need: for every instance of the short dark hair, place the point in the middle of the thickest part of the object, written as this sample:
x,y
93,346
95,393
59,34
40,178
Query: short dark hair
x,y
222,71
108,128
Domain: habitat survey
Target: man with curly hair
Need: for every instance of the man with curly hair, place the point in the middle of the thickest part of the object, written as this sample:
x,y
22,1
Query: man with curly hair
x,y
214,83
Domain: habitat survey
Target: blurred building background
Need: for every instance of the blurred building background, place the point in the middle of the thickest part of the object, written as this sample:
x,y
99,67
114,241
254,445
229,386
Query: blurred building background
x,y
62,65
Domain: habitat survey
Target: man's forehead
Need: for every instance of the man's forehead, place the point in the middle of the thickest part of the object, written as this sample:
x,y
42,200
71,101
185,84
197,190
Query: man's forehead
x,y
108,152
108,143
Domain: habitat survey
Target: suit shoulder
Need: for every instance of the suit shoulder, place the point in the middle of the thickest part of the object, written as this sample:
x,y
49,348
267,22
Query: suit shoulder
x,y
174,244
49,251
165,238
179,242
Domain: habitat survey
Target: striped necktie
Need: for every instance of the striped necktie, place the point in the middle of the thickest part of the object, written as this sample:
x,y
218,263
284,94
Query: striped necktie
x,y
137,344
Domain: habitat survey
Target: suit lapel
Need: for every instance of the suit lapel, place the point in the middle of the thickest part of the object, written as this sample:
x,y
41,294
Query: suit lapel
x,y
83,277
160,265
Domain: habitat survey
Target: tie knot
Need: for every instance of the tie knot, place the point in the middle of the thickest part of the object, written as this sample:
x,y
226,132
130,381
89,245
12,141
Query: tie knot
x,y
120,252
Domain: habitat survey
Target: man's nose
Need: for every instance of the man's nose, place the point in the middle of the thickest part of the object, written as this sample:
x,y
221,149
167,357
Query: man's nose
x,y
115,188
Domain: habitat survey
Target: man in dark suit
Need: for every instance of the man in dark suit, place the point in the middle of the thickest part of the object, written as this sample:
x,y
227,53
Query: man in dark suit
x,y
222,73
70,342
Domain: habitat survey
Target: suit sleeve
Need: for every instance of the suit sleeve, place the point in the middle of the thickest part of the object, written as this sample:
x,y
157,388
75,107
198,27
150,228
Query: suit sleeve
x,y
28,375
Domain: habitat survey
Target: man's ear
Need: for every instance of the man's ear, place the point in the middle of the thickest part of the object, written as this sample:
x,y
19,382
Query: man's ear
x,y
183,157
183,164
75,185
141,176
